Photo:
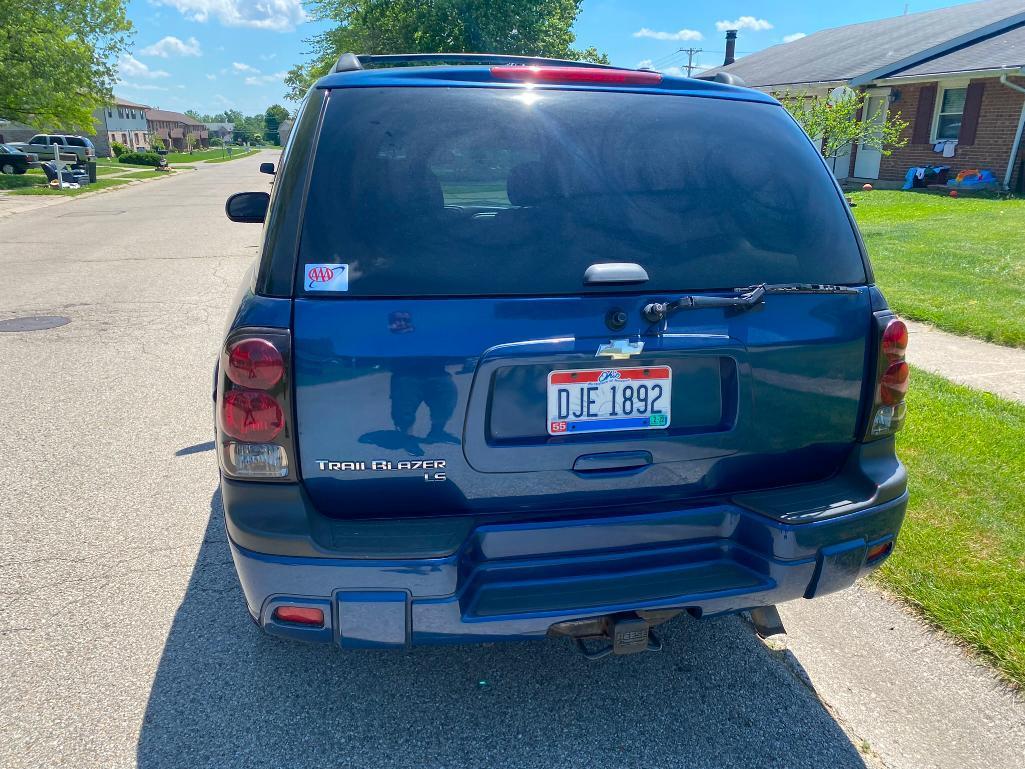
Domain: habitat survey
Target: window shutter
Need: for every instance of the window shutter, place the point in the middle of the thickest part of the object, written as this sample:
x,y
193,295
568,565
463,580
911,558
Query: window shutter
x,y
923,117
970,116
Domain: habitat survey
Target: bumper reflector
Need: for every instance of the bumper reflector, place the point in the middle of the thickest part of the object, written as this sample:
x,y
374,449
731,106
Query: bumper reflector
x,y
300,615
878,551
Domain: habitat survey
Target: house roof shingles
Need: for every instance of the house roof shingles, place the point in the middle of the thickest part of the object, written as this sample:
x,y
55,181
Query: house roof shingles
x,y
1005,49
118,101
172,117
844,53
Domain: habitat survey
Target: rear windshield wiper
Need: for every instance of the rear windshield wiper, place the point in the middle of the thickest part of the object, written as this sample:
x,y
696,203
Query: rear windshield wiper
x,y
745,298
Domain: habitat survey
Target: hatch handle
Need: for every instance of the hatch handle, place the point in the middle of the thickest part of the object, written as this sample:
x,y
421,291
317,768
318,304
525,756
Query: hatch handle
x,y
615,272
612,460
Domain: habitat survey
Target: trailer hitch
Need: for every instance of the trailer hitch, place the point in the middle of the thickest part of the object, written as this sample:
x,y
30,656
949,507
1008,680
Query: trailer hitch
x,y
619,634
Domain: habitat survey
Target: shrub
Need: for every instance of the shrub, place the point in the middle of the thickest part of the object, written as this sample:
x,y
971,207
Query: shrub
x,y
158,143
140,158
117,148
216,142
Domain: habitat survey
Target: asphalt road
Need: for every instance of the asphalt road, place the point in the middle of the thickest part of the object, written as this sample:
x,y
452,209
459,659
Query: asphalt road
x,y
123,638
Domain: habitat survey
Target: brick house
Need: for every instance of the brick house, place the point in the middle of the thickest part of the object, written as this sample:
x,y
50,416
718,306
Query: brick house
x,y
955,74
173,127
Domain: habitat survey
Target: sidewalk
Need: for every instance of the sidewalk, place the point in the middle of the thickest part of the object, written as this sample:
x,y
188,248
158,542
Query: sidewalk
x,y
972,362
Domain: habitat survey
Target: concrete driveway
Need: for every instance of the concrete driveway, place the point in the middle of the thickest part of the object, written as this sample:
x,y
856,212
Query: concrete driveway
x,y
123,637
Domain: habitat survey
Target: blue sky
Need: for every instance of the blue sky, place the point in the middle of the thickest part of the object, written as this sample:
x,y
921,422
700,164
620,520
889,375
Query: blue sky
x,y
210,55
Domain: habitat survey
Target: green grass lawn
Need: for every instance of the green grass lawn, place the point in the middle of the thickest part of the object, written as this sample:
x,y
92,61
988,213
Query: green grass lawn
x,y
215,154
235,156
151,174
958,263
16,181
960,557
42,189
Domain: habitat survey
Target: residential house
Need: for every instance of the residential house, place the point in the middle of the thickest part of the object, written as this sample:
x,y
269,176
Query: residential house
x,y
284,130
957,75
223,131
13,131
174,127
123,122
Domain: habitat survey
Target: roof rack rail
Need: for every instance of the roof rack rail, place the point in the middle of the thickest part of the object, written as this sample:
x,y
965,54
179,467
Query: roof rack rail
x,y
350,62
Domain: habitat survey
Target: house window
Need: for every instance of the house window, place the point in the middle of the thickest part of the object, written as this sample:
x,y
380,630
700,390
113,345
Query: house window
x,y
948,117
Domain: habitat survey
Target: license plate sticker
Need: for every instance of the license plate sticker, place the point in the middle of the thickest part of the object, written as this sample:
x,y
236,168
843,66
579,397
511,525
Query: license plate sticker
x,y
609,399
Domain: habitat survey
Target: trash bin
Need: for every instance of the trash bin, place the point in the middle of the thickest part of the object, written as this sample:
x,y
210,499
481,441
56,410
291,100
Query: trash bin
x,y
90,167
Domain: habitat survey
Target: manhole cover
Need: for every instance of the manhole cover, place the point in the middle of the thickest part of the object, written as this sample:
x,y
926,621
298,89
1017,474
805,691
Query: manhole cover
x,y
33,323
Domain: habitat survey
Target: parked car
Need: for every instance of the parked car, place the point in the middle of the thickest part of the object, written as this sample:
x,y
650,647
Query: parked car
x,y
42,144
14,161
553,350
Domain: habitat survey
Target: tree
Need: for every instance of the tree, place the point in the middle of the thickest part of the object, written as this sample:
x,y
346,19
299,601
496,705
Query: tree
x,y
190,142
525,27
59,60
273,118
196,116
839,122
157,143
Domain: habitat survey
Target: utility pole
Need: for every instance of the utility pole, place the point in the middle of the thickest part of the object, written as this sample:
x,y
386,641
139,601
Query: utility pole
x,y
691,53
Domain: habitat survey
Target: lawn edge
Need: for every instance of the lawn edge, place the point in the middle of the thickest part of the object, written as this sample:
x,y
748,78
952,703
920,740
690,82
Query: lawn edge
x,y
976,654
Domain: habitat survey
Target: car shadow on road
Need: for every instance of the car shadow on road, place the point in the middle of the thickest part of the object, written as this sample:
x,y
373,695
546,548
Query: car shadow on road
x,y
225,695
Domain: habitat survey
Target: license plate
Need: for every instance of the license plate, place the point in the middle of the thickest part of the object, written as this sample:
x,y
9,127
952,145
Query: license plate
x,y
609,399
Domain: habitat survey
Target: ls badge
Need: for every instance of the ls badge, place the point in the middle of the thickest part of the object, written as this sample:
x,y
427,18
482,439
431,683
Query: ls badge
x,y
429,467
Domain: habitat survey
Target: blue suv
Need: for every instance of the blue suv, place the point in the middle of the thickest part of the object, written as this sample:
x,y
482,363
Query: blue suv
x,y
539,348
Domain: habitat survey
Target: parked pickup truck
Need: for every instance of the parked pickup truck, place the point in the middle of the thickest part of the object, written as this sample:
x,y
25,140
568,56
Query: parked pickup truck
x,y
41,144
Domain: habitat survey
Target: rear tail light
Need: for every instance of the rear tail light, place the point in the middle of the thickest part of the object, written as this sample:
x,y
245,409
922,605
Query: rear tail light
x,y
254,438
256,460
891,381
893,385
576,75
895,340
251,415
255,363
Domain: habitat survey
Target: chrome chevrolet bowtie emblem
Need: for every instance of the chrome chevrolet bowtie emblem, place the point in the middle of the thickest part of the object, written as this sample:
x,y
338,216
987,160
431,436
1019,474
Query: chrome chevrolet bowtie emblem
x,y
619,349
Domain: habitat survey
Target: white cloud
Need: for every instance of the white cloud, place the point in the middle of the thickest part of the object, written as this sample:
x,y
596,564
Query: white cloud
x,y
683,34
211,77
274,77
268,56
671,71
125,85
240,67
793,37
132,67
172,46
277,15
744,22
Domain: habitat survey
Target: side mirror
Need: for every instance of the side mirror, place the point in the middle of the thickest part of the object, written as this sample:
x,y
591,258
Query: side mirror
x,y
247,207
267,168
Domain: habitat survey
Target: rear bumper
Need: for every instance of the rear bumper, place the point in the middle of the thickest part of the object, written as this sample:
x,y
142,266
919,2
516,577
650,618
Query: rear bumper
x,y
501,581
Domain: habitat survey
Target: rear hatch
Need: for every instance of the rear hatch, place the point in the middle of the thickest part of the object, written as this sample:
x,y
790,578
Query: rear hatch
x,y
451,357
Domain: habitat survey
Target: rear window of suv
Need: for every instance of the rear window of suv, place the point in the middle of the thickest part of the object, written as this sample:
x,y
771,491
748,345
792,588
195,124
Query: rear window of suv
x,y
481,191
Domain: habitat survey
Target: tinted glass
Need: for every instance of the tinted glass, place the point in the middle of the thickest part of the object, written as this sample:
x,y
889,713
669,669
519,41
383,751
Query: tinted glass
x,y
74,141
436,191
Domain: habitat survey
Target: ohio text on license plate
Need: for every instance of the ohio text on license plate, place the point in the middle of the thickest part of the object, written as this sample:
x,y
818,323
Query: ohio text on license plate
x,y
607,399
